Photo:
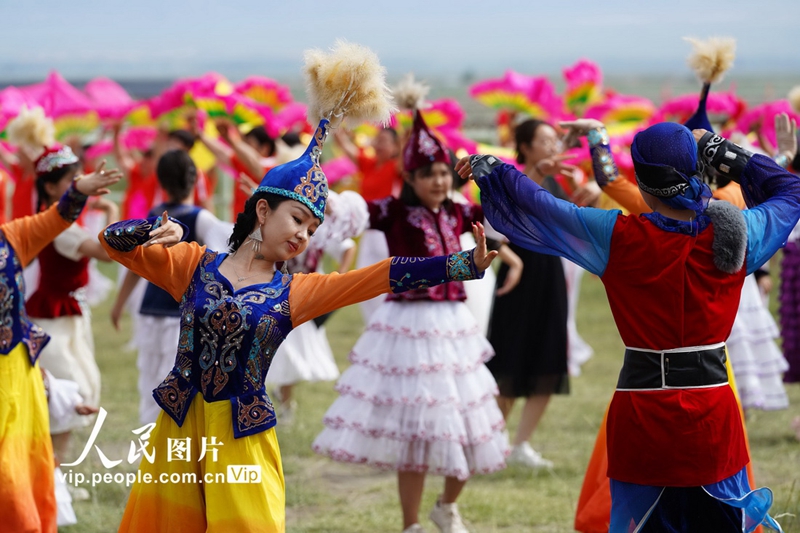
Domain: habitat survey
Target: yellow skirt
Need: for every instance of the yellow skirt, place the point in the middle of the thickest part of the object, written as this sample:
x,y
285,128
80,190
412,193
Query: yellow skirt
x,y
27,493
207,495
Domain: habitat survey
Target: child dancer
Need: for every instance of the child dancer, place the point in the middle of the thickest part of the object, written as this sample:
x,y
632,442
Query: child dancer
x,y
158,326
59,304
27,496
418,398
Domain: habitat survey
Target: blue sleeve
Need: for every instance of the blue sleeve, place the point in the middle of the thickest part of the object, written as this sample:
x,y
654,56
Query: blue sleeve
x,y
409,273
777,193
533,218
126,235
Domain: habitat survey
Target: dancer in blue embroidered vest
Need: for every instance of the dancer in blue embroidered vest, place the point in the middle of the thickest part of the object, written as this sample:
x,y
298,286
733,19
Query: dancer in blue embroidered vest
x,y
236,310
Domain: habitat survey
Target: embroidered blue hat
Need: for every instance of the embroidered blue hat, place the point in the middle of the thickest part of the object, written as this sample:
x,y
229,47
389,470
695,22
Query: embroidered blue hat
x,y
347,82
302,179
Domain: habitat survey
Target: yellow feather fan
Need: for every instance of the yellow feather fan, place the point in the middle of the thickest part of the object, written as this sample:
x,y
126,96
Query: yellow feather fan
x,y
794,98
31,130
712,58
410,93
349,80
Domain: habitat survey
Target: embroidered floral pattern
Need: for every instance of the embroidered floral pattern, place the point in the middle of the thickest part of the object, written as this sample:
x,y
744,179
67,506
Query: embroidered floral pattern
x,y
126,235
267,338
461,267
603,165
427,146
174,396
253,415
422,218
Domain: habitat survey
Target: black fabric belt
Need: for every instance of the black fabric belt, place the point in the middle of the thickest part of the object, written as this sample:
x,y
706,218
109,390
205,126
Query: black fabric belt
x,y
670,369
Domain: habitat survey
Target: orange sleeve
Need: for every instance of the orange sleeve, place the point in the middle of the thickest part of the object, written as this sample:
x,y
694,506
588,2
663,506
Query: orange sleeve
x,y
313,295
169,268
29,235
732,193
627,194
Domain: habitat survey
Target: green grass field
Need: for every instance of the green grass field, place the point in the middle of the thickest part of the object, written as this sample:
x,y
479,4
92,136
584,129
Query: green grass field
x,y
323,496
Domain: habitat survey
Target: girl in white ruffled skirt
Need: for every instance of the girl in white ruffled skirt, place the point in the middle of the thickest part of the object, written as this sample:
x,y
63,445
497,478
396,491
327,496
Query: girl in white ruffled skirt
x,y
418,398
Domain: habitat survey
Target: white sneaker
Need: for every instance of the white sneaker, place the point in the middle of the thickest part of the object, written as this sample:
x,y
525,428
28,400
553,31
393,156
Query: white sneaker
x,y
524,455
414,528
446,517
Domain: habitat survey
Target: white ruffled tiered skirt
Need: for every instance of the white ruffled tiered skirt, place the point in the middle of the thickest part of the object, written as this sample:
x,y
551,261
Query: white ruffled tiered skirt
x,y
418,396
758,364
305,355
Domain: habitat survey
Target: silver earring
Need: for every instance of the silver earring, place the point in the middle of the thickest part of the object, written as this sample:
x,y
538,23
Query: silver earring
x,y
256,238
284,268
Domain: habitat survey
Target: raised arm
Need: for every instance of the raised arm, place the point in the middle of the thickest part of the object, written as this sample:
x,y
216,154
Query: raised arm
x,y
605,170
121,154
29,235
313,295
131,244
771,193
531,217
343,141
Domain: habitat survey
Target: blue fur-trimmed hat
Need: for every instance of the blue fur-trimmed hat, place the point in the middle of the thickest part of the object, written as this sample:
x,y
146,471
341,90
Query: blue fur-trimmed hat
x,y
302,179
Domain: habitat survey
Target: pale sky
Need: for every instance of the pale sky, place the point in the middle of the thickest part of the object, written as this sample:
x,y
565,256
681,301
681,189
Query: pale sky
x,y
171,38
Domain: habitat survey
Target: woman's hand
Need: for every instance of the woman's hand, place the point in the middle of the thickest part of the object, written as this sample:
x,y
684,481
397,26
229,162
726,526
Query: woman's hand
x,y
579,128
246,184
116,314
168,233
515,267
786,134
588,194
97,183
551,166
483,258
464,169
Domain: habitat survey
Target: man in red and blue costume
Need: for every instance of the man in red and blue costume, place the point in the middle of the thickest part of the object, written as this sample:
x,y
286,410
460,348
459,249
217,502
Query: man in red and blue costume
x,y
676,449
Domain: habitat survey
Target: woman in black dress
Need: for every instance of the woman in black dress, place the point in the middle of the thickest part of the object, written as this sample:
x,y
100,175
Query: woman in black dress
x,y
528,327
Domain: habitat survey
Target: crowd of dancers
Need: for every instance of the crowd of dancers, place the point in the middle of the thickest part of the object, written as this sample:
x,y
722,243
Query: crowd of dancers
x,y
677,221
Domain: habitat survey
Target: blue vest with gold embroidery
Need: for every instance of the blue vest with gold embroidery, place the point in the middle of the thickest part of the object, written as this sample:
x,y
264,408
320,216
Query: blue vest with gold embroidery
x,y
228,338
15,326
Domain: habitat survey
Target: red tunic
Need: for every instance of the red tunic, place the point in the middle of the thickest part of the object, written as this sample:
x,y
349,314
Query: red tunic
x,y
378,179
683,437
59,278
416,231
